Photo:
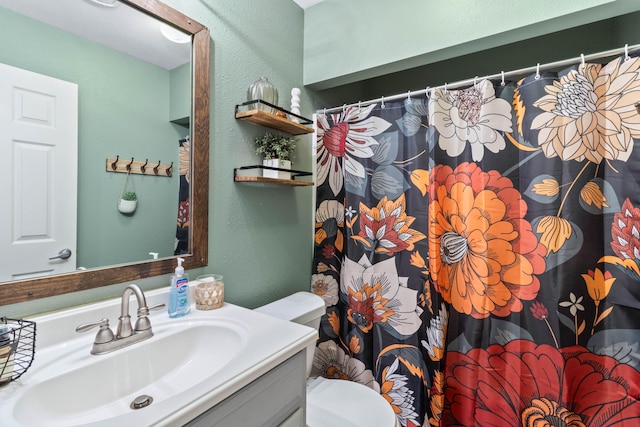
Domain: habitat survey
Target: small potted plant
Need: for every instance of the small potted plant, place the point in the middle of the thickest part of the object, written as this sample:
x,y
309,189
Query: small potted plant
x,y
128,202
277,151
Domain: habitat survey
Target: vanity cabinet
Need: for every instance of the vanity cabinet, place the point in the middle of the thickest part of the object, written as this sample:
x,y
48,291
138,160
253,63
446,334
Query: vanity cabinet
x,y
277,398
278,121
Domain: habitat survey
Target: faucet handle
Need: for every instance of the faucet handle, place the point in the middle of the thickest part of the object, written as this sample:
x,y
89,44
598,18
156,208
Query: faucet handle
x,y
144,311
156,306
104,335
143,323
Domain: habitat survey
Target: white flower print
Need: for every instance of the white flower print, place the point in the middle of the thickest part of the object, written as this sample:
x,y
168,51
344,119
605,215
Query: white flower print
x,y
325,287
330,361
472,115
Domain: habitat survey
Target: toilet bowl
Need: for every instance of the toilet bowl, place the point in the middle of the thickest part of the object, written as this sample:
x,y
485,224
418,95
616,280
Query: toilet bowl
x,y
331,403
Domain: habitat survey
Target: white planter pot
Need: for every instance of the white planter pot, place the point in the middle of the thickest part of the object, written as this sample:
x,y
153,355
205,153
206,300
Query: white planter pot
x,y
127,206
276,163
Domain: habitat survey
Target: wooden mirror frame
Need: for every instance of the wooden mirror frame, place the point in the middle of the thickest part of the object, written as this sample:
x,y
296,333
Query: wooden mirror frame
x,y
28,290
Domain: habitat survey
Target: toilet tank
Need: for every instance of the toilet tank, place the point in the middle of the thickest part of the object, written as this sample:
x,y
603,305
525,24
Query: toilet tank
x,y
304,308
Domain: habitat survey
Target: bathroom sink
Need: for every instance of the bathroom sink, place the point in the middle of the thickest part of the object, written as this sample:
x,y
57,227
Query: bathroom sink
x,y
178,357
190,365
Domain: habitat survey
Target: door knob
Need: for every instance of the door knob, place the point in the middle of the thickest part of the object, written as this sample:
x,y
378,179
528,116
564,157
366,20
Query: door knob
x,y
63,254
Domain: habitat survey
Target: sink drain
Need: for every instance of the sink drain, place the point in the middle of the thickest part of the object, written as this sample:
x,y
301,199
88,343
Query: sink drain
x,y
141,401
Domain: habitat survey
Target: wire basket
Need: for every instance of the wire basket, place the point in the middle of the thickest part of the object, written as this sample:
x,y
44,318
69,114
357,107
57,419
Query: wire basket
x,y
17,348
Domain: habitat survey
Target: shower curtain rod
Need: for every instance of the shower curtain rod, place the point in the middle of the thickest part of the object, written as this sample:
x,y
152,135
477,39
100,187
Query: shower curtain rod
x,y
502,75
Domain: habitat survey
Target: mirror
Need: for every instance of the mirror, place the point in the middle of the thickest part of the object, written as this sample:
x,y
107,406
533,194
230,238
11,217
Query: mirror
x,y
26,290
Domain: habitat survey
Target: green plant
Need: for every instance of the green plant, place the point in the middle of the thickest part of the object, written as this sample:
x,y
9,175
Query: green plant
x,y
275,146
129,195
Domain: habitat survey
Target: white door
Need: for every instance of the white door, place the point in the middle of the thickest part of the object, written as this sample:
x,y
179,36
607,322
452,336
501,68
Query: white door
x,y
38,172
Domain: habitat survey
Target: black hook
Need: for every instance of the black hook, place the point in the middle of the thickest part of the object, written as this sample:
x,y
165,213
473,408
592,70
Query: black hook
x,y
114,165
155,169
169,169
143,168
129,165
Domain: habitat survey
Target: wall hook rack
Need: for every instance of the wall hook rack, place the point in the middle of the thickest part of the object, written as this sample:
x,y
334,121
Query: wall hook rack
x,y
138,167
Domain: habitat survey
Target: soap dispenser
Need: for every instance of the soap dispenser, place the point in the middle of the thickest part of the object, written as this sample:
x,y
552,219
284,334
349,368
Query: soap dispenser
x,y
179,292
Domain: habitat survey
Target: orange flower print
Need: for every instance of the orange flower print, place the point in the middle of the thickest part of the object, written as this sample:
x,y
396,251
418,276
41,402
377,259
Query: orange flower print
x,y
437,398
484,257
590,113
367,306
598,284
386,227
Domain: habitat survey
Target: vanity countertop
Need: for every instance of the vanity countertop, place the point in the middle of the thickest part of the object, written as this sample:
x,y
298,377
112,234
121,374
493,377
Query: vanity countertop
x,y
264,342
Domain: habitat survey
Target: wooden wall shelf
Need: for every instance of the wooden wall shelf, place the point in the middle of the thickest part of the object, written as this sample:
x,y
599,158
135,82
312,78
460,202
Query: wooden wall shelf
x,y
273,121
264,180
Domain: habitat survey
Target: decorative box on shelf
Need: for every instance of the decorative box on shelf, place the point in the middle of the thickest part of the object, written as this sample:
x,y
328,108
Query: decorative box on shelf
x,y
241,175
249,111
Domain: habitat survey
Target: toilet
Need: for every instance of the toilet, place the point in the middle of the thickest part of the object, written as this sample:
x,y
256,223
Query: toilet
x,y
331,403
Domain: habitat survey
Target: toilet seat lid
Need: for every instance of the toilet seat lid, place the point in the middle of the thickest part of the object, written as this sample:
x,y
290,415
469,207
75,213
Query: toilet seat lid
x,y
339,403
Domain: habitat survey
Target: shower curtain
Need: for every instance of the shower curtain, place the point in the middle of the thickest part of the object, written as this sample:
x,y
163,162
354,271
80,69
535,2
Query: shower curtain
x,y
182,221
478,250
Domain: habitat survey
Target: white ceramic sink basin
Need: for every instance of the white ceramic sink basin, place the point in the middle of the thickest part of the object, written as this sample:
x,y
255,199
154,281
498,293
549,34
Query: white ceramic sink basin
x,y
190,365
178,357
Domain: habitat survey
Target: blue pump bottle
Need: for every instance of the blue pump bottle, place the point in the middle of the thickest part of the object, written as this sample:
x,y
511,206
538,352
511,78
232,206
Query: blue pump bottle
x,y
179,293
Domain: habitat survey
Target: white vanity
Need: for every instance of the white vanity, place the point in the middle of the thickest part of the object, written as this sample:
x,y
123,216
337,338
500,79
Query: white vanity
x,y
225,367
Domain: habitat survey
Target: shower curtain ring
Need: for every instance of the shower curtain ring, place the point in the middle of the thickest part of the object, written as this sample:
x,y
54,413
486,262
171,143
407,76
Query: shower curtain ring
x,y
502,82
382,102
409,97
582,59
626,52
475,82
538,71
427,90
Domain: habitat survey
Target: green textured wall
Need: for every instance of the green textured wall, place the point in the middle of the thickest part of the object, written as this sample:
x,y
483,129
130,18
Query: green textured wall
x,y
180,94
350,41
260,237
123,109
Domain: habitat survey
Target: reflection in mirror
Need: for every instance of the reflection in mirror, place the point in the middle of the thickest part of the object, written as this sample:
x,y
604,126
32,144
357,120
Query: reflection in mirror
x,y
127,107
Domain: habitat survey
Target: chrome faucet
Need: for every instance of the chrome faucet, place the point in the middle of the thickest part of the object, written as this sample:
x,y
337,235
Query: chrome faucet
x,y
106,341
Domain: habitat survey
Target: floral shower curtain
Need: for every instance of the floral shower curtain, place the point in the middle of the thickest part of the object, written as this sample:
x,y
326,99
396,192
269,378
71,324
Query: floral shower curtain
x,y
478,251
